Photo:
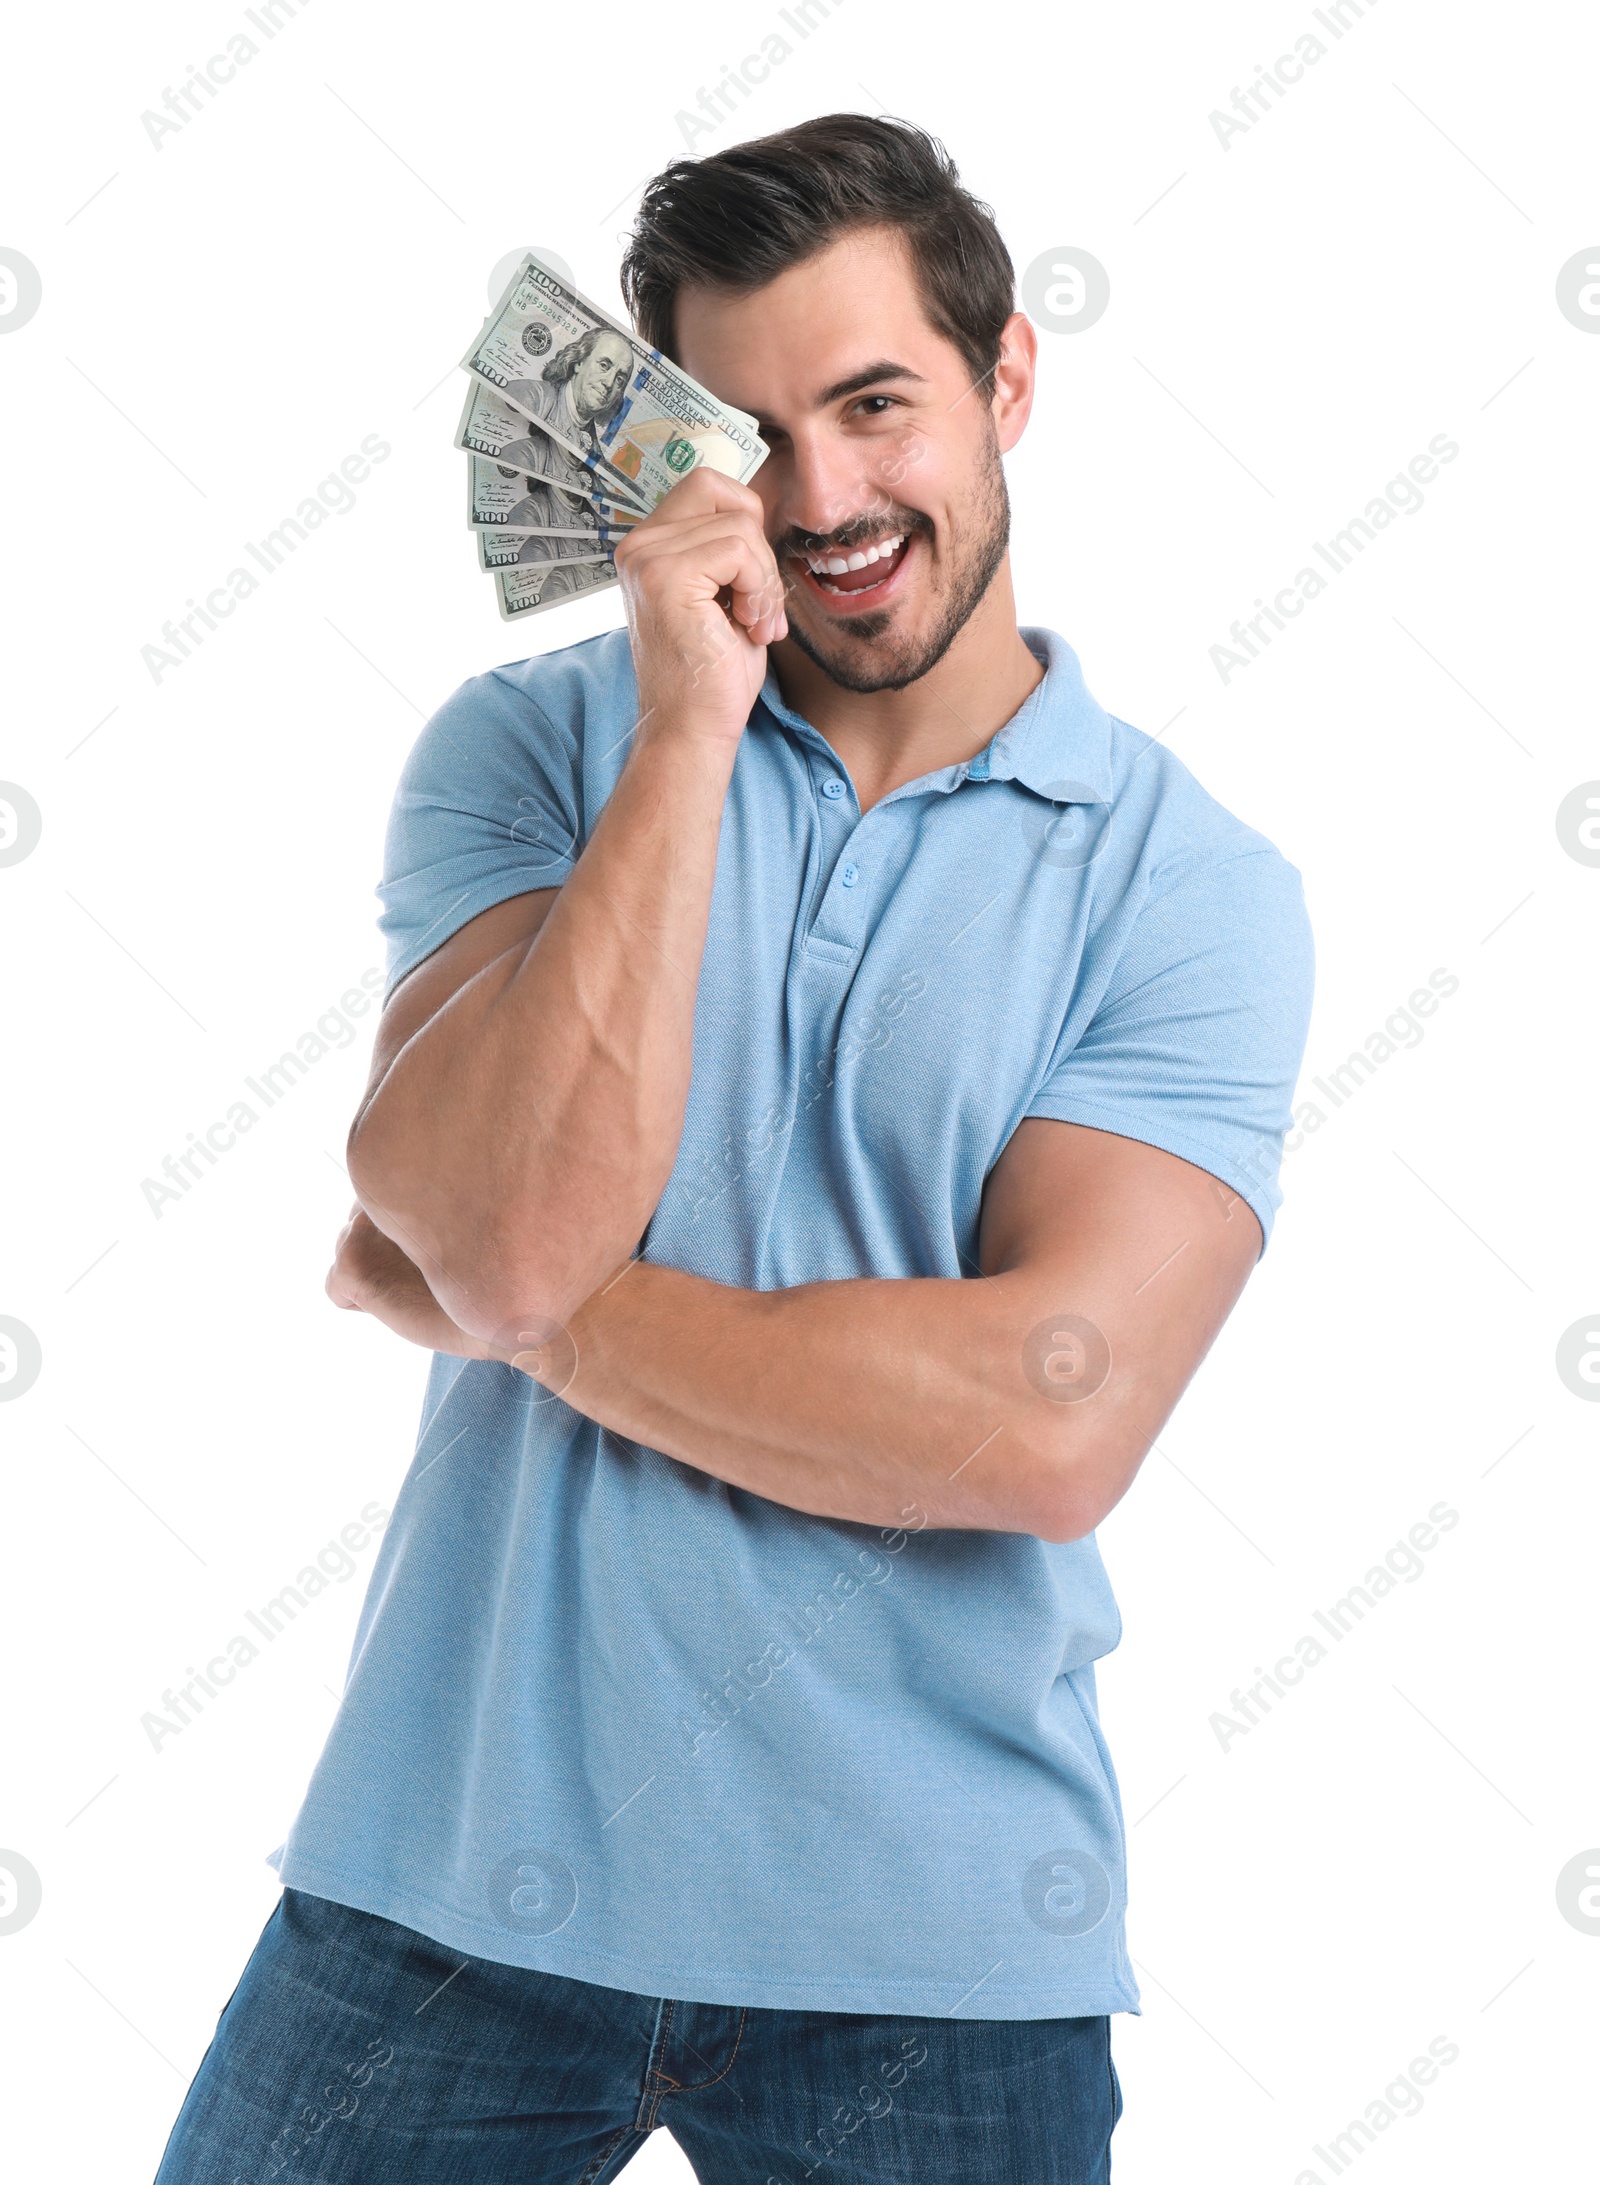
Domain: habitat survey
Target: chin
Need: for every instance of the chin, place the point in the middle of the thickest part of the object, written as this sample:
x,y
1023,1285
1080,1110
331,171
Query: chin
x,y
933,599
853,656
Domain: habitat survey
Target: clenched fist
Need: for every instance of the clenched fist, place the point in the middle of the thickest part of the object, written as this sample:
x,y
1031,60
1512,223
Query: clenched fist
x,y
704,599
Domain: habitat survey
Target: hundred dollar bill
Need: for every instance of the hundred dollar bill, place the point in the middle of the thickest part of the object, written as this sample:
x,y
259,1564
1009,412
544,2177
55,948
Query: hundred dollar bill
x,y
499,498
625,410
530,591
490,428
509,549
650,454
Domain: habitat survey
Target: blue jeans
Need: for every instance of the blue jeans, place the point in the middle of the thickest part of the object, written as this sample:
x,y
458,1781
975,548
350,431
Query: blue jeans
x,y
356,2050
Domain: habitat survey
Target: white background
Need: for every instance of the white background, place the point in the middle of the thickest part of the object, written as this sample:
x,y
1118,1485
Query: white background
x,y
1292,318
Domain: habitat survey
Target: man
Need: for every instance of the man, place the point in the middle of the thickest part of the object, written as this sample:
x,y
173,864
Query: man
x,y
827,1102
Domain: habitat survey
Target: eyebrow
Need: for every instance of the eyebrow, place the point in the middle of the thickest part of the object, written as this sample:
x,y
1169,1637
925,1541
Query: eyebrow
x,y
885,368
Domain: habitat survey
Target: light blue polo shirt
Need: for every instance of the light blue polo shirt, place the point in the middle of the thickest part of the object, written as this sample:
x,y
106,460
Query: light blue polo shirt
x,y
611,1718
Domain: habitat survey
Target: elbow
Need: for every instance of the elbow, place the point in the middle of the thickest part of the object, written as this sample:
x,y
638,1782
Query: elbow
x,y
368,1160
503,1266
1072,1490
393,1206
524,1313
1061,1520
492,1288
511,1307
474,1265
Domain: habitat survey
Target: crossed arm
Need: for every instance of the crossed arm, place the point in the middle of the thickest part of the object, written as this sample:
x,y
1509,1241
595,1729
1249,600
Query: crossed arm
x,y
968,1403
523,1116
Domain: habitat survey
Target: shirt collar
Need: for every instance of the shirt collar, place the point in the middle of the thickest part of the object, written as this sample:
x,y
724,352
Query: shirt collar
x,y
1057,743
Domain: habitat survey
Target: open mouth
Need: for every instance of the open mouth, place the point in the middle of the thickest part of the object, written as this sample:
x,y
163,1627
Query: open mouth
x,y
858,573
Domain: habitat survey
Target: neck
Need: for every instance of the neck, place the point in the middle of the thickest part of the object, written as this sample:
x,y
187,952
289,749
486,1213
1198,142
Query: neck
x,y
887,737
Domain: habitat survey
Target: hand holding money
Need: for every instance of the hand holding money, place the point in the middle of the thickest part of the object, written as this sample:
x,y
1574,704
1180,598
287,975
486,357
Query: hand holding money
x,y
574,432
698,665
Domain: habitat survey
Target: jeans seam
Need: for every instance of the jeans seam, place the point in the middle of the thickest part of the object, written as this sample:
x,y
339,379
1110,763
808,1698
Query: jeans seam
x,y
656,2081
699,2085
606,2152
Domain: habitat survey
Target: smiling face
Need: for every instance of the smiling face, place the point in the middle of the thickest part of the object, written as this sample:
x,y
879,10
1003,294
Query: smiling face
x,y
884,494
598,382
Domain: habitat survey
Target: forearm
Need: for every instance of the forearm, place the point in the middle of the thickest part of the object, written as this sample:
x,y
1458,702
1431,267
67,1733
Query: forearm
x,y
1020,1401
881,1402
861,1400
520,1140
940,1402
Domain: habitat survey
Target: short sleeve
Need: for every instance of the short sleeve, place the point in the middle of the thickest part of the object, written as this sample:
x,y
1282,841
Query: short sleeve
x,y
487,807
1197,1043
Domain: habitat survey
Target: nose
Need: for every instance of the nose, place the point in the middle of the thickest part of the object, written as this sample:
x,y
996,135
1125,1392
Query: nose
x,y
829,483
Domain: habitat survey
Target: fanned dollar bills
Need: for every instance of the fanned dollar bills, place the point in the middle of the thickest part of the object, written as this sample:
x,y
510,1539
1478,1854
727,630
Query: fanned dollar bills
x,y
573,431
530,591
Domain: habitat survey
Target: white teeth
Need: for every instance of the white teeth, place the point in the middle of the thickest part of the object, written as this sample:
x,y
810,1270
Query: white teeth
x,y
836,565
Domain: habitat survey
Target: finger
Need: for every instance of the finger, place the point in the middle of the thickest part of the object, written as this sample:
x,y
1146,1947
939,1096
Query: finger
x,y
650,543
709,532
721,554
704,489
704,493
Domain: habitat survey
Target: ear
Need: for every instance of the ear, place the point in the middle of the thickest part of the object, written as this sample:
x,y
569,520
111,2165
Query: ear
x,y
1014,379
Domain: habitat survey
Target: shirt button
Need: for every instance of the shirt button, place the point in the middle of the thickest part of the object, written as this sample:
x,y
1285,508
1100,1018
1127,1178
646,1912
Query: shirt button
x,y
849,875
833,787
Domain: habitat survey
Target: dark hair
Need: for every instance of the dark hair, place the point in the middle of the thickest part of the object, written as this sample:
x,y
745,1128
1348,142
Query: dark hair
x,y
739,218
